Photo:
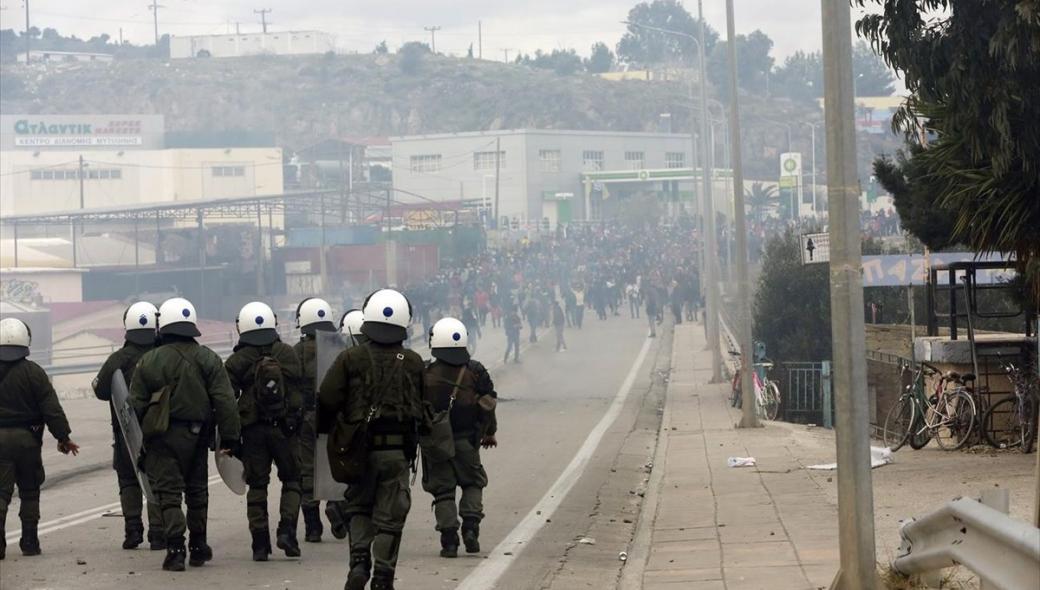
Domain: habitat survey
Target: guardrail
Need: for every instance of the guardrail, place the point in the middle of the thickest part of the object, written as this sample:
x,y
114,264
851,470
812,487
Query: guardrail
x,y
1001,551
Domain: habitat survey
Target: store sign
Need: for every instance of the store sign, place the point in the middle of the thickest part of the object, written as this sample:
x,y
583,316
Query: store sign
x,y
68,131
790,164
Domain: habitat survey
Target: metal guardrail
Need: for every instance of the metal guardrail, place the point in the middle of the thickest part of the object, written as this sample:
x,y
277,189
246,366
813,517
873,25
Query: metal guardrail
x,y
1002,551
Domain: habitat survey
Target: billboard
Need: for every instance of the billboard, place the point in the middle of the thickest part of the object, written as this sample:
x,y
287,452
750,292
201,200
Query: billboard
x,y
50,132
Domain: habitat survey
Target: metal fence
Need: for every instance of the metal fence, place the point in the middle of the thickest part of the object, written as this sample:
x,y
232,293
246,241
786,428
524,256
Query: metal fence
x,y
805,392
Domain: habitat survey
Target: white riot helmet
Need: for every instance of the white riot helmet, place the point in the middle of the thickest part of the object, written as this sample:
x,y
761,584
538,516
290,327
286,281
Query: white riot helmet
x,y
15,338
177,317
314,314
139,320
350,325
387,314
448,341
256,324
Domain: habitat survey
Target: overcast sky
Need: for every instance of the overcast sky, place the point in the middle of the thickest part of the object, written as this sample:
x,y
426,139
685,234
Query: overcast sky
x,y
517,24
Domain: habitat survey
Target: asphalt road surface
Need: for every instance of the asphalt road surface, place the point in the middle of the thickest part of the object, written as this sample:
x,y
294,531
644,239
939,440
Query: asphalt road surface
x,y
567,451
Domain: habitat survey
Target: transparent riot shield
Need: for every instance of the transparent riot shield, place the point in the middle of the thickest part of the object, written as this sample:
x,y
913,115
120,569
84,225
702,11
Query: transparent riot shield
x,y
131,429
329,345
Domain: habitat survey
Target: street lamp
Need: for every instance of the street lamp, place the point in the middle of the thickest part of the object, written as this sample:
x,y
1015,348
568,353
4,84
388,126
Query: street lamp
x,y
711,249
812,130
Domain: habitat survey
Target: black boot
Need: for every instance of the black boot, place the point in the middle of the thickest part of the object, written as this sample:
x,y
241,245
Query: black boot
x,y
360,568
134,534
471,535
261,544
383,581
156,539
3,545
337,523
30,541
450,543
174,561
287,539
199,552
312,524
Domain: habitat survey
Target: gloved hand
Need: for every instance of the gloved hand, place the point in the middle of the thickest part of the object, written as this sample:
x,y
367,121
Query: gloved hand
x,y
231,446
489,441
67,446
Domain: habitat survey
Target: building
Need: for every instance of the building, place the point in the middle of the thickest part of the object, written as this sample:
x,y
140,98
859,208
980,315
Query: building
x,y
552,176
48,56
240,45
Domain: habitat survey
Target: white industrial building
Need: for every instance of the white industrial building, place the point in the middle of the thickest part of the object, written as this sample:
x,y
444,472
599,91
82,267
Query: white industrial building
x,y
239,45
547,176
48,56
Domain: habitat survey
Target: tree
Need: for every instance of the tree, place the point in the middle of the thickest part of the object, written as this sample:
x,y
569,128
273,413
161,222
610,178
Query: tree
x,y
873,78
562,61
381,48
972,74
645,46
600,60
914,201
411,55
760,197
753,63
469,52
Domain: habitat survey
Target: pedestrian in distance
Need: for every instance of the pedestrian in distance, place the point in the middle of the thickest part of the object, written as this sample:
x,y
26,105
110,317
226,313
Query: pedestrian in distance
x,y
652,310
313,315
28,403
513,325
376,388
265,375
179,391
139,321
558,326
462,387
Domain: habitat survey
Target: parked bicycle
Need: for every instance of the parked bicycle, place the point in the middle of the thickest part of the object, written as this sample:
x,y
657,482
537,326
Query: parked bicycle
x,y
948,416
1012,421
767,393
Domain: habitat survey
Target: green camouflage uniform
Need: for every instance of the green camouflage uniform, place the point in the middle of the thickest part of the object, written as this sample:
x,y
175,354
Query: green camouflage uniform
x,y
469,424
266,440
125,359
27,403
176,462
377,508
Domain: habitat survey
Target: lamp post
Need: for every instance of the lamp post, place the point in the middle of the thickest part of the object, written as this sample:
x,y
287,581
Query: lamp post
x,y
712,313
812,131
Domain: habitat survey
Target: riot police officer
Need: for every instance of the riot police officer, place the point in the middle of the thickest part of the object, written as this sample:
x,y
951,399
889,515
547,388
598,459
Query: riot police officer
x,y
186,383
265,374
461,386
350,327
27,403
139,321
380,383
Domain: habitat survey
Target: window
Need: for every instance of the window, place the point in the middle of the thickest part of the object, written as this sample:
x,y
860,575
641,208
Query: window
x,y
36,174
674,160
226,171
550,160
486,160
635,160
48,175
93,174
592,159
104,174
425,163
89,174
116,174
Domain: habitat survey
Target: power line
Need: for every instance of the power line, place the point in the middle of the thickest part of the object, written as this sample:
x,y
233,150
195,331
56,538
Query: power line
x,y
263,12
433,37
154,7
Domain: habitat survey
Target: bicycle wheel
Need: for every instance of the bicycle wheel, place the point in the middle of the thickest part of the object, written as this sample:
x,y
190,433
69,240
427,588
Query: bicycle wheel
x,y
1002,426
897,424
771,399
956,418
1029,423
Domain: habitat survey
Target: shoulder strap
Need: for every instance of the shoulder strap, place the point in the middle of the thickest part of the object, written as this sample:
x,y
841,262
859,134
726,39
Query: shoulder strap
x,y
373,410
455,390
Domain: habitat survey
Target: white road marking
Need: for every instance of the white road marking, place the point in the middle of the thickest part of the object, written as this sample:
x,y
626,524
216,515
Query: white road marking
x,y
487,574
78,518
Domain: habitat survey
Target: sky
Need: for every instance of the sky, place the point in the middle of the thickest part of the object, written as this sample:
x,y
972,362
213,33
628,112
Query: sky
x,y
524,25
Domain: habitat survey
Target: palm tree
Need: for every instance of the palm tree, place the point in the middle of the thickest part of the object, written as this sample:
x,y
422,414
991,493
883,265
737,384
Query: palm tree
x,y
759,198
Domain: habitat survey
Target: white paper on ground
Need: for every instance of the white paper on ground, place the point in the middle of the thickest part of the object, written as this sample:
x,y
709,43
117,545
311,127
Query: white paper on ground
x,y
741,461
878,456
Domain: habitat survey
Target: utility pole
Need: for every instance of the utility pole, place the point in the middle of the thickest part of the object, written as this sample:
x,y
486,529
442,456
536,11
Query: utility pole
x,y
506,51
498,170
82,165
855,494
749,417
28,38
263,12
812,128
154,7
712,253
433,37
480,40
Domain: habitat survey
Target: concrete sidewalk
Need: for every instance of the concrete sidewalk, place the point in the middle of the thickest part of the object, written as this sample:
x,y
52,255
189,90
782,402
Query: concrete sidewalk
x,y
706,526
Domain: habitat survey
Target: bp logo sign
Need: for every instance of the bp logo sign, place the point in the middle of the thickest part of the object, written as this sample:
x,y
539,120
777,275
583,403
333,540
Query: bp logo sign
x,y
790,164
644,175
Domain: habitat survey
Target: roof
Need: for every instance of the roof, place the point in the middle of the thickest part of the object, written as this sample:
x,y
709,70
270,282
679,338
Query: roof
x,y
61,312
506,132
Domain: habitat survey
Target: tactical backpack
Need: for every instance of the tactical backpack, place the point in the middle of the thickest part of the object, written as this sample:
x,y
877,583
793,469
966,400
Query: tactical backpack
x,y
269,389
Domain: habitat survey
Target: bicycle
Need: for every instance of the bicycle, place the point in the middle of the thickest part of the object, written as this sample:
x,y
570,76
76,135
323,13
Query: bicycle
x,y
1012,421
946,416
767,393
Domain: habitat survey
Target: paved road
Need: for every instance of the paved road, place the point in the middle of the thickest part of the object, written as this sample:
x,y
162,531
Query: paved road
x,y
567,424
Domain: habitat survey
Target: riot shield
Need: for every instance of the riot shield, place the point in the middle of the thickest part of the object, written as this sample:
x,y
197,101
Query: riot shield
x,y
131,429
233,472
329,345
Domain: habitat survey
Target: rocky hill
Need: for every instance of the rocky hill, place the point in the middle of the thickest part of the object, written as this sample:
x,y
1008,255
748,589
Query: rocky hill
x,y
302,100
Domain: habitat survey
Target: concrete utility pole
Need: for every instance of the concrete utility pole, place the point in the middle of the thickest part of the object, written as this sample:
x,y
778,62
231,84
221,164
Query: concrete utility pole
x,y
855,494
812,128
154,7
480,40
433,37
263,12
498,172
749,416
28,38
506,51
